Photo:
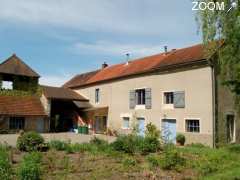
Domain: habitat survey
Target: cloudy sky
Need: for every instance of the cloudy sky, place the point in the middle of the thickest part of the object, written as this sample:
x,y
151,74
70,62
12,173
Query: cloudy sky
x,y
60,38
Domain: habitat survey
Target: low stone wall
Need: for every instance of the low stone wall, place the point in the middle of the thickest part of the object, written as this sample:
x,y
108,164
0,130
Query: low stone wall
x,y
11,139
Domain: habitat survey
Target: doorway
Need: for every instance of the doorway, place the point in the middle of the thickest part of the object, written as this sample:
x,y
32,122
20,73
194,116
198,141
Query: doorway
x,y
141,126
100,124
169,130
230,128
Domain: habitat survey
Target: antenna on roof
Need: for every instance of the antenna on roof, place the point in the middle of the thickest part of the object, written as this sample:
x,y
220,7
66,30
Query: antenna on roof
x,y
128,57
165,49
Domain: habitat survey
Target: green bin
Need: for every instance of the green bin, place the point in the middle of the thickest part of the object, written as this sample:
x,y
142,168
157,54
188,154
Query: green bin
x,y
84,130
80,129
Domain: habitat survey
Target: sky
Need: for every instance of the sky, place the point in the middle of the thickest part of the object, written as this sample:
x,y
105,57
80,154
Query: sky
x,y
62,38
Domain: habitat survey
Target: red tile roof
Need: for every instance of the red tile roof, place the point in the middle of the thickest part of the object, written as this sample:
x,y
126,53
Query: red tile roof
x,y
14,65
21,106
175,57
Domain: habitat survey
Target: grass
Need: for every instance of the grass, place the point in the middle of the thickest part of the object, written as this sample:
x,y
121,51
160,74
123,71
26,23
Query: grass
x,y
99,160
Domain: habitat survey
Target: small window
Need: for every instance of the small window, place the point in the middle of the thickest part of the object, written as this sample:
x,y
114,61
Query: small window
x,y
7,85
140,96
97,95
126,122
192,125
168,97
16,123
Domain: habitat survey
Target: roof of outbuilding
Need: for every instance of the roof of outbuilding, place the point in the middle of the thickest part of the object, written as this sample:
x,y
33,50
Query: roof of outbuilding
x,y
21,106
175,57
14,65
62,93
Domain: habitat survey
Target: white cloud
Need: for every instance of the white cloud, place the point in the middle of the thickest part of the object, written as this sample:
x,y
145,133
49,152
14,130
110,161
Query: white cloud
x,y
112,48
54,80
120,16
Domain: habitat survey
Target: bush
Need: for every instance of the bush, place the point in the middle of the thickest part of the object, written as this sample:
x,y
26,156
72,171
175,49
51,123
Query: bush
x,y
128,162
233,148
30,141
153,160
5,165
128,143
30,167
97,141
152,131
180,139
172,160
150,145
58,145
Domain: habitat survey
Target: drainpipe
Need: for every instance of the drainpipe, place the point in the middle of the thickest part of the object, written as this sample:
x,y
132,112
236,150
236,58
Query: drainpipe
x,y
214,104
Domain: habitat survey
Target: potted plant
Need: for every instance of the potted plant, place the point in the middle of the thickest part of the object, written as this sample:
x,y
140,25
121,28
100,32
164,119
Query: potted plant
x,y
180,139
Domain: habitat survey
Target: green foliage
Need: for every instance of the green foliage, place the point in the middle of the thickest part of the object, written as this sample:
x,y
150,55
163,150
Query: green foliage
x,y
180,139
5,165
58,145
30,167
30,141
153,160
128,143
97,141
150,145
235,148
129,162
197,145
152,131
172,159
225,26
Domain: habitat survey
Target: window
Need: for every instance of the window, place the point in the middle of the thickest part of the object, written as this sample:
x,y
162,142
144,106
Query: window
x,y
7,85
140,96
192,125
168,97
97,94
126,124
16,123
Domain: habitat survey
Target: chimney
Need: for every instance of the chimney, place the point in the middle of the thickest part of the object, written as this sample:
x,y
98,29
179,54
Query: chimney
x,y
104,65
127,55
165,49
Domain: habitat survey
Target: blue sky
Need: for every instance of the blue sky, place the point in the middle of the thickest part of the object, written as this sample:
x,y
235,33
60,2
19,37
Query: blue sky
x,y
60,38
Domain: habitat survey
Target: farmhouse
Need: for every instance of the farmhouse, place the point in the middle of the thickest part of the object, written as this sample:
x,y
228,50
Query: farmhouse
x,y
179,91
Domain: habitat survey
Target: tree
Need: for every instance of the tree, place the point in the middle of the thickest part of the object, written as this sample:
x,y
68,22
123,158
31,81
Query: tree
x,y
221,28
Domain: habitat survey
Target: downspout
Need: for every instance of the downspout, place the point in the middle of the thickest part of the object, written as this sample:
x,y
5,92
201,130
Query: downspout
x,y
213,104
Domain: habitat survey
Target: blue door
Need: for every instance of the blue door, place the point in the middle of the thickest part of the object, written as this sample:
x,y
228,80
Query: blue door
x,y
169,130
141,126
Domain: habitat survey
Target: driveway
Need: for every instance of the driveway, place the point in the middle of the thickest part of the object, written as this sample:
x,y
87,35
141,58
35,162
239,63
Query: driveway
x,y
11,139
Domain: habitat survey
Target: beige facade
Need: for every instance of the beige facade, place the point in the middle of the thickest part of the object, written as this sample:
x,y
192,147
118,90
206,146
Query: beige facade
x,y
196,83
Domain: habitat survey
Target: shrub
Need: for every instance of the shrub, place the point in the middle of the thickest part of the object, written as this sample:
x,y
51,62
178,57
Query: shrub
x,y
233,148
58,145
5,166
128,162
172,160
152,131
30,167
180,139
153,160
150,145
97,141
128,143
30,141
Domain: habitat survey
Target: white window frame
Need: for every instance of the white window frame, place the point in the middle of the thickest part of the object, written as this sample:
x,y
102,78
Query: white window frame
x,y
167,106
129,121
200,127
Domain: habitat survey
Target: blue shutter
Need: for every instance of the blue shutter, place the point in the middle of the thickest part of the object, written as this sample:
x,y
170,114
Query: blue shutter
x,y
132,99
148,98
179,99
